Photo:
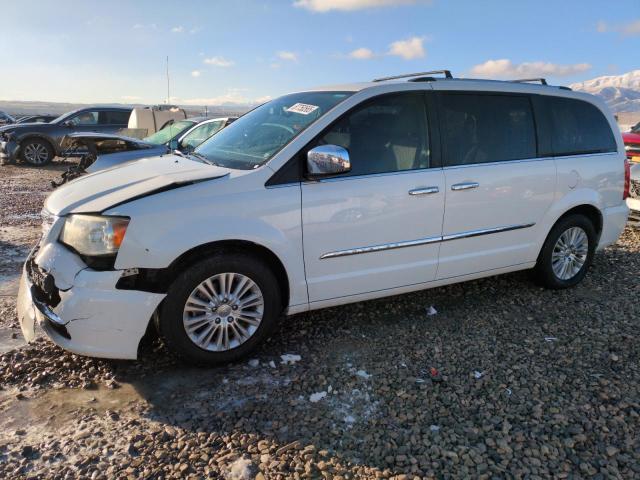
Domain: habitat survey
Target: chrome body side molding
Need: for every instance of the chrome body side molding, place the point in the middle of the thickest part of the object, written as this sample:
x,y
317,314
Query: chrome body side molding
x,y
423,241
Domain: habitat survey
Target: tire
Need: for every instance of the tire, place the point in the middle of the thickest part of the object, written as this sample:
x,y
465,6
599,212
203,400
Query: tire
x,y
184,305
36,152
567,273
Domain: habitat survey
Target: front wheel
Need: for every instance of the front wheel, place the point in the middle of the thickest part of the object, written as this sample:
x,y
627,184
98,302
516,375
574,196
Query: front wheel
x,y
220,309
37,152
567,253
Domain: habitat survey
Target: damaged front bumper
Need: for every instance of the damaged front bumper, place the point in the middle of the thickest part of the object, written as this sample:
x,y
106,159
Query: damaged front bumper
x,y
8,150
81,309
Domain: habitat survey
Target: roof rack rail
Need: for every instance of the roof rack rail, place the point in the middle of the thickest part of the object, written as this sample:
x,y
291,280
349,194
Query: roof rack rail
x,y
446,73
543,81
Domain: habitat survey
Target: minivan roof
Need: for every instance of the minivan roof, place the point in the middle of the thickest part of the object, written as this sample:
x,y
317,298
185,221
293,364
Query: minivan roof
x,y
463,84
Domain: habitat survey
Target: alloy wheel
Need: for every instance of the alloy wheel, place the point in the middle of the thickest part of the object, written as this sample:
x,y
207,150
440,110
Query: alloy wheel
x,y
570,253
223,312
36,153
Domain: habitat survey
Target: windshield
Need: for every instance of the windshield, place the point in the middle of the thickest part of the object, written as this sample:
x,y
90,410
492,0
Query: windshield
x,y
258,135
65,116
167,133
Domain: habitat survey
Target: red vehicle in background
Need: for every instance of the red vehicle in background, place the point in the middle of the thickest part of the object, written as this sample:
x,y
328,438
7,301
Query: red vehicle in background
x,y
632,143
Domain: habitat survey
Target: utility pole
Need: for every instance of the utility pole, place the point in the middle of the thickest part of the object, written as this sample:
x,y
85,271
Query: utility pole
x,y
168,96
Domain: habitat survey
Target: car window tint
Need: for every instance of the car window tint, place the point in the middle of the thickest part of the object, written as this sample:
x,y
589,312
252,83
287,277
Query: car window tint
x,y
84,118
486,128
387,134
578,127
114,117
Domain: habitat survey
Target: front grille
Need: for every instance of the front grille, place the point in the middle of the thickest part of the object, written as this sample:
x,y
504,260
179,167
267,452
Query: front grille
x,y
44,286
634,189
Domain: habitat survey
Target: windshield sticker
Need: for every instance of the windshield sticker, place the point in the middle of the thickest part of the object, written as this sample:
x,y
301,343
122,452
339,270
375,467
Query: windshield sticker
x,y
303,108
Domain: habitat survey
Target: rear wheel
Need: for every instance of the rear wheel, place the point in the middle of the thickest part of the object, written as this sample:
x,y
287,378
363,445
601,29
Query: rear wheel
x,y
567,252
37,152
220,309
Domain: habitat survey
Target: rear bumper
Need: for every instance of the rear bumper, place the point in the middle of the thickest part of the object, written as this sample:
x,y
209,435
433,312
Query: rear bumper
x,y
614,219
92,317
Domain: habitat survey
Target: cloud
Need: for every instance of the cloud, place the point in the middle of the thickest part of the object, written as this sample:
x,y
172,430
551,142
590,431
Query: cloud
x,y
504,68
351,5
219,62
196,73
409,49
361,54
178,29
130,98
629,29
288,56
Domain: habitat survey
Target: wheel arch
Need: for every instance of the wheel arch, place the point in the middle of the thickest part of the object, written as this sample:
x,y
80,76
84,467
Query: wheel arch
x,y
592,212
159,280
39,136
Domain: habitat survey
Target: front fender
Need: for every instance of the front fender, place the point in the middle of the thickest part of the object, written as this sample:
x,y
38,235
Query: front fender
x,y
55,144
166,225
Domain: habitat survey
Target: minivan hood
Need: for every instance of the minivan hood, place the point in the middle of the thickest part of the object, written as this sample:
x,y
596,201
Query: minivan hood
x,y
99,191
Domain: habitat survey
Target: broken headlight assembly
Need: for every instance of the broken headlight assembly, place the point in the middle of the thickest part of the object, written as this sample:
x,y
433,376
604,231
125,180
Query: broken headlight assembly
x,y
95,238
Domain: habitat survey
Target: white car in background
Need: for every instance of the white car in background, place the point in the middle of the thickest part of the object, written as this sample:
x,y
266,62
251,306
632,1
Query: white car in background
x,y
322,198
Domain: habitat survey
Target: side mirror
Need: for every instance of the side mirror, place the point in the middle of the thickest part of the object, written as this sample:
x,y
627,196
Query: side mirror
x,y
327,160
68,123
173,145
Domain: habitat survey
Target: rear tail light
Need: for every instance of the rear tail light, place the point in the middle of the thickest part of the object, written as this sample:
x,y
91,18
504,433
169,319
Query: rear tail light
x,y
627,179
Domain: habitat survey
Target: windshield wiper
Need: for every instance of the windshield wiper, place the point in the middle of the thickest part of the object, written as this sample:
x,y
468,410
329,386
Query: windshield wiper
x,y
199,156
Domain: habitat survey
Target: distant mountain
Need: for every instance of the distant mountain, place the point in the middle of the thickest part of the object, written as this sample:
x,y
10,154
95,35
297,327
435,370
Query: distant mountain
x,y
18,108
621,92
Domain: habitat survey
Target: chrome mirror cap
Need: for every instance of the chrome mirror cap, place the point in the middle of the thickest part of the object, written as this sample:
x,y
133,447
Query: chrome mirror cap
x,y
327,160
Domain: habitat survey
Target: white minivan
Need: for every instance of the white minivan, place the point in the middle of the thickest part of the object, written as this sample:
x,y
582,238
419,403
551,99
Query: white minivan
x,y
326,197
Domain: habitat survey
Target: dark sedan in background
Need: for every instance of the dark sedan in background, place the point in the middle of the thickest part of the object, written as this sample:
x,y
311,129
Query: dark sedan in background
x,y
38,143
36,119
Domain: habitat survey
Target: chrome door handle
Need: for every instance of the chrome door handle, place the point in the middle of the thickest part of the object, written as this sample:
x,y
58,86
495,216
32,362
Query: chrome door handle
x,y
424,191
464,186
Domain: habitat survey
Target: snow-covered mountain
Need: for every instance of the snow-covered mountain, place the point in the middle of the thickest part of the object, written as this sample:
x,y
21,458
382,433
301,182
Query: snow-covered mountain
x,y
621,92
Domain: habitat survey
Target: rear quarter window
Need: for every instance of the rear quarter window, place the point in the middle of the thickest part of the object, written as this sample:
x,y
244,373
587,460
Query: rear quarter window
x,y
577,127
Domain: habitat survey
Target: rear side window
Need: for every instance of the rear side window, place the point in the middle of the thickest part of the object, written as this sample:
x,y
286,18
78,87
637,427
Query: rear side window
x,y
578,127
114,117
486,128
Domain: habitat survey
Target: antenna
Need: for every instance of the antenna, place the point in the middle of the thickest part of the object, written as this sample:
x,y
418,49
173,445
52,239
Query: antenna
x,y
168,96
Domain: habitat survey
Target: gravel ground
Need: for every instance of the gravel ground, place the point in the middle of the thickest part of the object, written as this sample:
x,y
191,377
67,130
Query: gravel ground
x,y
530,383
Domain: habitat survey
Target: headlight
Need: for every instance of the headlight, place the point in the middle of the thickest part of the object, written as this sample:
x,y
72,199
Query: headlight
x,y
94,235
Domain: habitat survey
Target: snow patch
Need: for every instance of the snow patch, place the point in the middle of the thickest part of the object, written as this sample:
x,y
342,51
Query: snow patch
x,y
240,469
316,397
290,358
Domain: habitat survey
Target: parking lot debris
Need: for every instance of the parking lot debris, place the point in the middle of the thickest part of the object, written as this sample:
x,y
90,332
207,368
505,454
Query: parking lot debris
x,y
434,428
478,375
435,375
550,339
272,364
431,311
254,362
363,374
290,358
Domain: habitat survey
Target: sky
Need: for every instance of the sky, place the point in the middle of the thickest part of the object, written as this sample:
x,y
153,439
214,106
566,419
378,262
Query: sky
x,y
247,51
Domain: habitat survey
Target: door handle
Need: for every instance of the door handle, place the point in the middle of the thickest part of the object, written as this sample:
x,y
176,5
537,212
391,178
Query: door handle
x,y
424,191
464,186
